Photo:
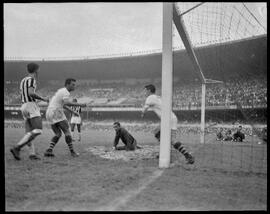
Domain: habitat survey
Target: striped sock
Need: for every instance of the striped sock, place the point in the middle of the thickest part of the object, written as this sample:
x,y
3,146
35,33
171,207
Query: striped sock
x,y
68,139
183,150
178,146
54,141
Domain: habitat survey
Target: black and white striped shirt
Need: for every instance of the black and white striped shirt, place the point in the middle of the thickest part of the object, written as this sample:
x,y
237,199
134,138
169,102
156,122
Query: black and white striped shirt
x,y
77,109
25,84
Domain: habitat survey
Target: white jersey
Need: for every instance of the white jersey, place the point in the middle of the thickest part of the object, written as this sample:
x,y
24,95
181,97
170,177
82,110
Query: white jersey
x,y
153,101
55,110
57,100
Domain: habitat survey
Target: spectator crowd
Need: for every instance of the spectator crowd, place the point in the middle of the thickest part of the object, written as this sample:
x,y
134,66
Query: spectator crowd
x,y
250,92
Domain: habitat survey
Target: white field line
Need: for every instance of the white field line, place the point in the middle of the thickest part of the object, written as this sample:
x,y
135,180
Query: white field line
x,y
123,199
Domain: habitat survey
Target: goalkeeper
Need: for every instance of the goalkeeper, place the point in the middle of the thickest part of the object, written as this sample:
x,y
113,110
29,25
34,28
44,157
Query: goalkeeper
x,y
129,141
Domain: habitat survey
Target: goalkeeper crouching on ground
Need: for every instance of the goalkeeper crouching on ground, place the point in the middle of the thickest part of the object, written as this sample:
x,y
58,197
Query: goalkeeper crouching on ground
x,y
129,141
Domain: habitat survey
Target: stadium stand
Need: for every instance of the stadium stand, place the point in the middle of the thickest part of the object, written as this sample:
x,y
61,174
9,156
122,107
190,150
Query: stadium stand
x,y
250,92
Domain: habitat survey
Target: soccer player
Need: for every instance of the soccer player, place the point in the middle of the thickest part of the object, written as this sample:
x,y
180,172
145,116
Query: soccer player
x,y
153,103
239,136
76,120
30,112
129,141
56,117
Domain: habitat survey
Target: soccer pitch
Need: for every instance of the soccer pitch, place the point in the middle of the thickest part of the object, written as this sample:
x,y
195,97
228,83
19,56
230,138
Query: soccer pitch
x,y
92,182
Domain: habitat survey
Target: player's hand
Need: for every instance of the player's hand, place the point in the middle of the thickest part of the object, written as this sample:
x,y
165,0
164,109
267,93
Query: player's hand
x,y
46,99
113,148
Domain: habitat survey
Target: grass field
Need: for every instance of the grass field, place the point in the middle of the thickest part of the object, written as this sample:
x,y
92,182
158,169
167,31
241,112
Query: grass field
x,y
221,179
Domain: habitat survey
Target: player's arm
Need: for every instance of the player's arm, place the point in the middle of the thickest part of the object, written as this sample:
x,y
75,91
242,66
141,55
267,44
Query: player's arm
x,y
145,109
70,103
69,109
116,140
80,114
34,95
149,102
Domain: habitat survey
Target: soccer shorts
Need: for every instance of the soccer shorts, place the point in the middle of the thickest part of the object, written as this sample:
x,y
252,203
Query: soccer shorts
x,y
55,115
30,110
174,123
75,120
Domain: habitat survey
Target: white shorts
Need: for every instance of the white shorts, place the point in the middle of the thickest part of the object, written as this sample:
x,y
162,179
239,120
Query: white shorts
x,y
174,122
30,110
55,115
76,120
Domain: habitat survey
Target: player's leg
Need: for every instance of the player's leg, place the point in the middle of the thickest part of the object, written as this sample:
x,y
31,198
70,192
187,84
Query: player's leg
x,y
33,128
131,146
136,145
157,133
36,124
79,131
64,126
179,147
72,127
57,135
23,141
121,147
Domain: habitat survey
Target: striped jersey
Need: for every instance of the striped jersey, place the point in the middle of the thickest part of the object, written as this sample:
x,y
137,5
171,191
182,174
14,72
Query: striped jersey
x,y
25,84
77,109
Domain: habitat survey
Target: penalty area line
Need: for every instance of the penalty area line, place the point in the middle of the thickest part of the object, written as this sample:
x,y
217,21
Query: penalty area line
x,y
123,199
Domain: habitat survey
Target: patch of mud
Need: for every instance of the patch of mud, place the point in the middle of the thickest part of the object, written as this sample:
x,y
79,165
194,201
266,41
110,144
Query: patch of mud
x,y
147,152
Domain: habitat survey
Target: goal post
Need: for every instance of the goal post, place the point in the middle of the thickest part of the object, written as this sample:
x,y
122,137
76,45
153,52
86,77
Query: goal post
x,y
166,87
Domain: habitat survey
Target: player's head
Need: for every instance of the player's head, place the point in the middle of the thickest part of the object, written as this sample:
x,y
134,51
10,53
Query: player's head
x,y
70,84
32,68
116,125
75,100
149,89
239,128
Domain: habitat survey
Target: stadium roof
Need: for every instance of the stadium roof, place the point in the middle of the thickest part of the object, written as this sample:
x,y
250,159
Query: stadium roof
x,y
216,60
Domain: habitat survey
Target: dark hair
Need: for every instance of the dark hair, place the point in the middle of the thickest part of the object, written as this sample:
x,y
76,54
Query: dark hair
x,y
32,67
116,123
69,80
75,100
151,88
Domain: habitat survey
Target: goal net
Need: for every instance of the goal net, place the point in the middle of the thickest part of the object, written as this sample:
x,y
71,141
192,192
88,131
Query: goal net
x,y
229,41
